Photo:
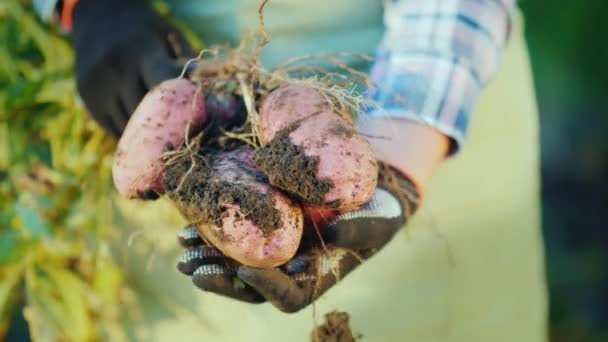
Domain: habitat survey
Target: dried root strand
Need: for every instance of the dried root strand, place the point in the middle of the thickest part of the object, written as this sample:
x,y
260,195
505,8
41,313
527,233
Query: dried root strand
x,y
224,70
263,33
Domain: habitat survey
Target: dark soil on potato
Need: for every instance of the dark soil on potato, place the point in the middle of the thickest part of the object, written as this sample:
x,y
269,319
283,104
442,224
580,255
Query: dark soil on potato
x,y
202,193
336,328
289,169
342,130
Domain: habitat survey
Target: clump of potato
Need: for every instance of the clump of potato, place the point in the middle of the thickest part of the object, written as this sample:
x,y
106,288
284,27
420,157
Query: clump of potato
x,y
247,187
246,201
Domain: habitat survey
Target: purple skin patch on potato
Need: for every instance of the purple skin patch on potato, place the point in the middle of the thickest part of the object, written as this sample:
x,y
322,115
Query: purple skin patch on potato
x,y
229,109
233,207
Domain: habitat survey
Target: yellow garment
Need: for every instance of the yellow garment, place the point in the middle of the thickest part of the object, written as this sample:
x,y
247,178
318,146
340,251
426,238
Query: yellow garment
x,y
469,267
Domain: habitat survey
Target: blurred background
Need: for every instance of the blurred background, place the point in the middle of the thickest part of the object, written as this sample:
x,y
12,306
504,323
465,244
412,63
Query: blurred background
x,y
52,242
570,68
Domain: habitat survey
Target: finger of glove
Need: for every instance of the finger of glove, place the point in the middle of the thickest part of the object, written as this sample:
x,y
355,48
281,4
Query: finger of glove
x,y
177,44
171,52
371,226
104,119
189,237
113,115
277,288
101,97
333,265
196,257
158,68
222,281
291,293
131,93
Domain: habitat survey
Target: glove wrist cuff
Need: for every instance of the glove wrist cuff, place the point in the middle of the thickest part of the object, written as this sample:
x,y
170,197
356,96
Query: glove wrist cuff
x,y
407,188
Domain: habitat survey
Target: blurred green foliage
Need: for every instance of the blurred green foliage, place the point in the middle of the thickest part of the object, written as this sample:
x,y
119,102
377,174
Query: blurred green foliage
x,y
54,185
569,54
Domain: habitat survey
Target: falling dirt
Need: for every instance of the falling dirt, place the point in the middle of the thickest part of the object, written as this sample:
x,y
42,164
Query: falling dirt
x,y
336,328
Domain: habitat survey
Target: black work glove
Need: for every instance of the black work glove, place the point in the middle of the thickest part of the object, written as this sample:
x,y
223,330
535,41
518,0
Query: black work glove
x,y
123,49
348,240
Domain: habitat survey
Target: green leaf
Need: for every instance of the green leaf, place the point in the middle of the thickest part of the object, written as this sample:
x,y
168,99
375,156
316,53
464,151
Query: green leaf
x,y
55,176
57,308
43,309
107,281
72,290
12,247
58,91
8,284
19,94
4,150
32,222
42,152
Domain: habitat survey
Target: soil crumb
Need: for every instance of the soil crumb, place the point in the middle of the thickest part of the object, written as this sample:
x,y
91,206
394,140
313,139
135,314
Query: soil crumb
x,y
335,329
289,169
203,191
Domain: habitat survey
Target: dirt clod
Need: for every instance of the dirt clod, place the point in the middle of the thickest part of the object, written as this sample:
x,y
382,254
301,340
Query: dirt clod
x,y
203,191
336,328
289,169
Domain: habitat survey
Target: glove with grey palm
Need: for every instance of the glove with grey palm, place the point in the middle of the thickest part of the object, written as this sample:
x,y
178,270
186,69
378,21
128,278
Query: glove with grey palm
x,y
326,255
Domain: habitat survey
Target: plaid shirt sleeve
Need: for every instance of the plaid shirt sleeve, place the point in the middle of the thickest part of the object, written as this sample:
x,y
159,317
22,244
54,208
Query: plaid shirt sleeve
x,y
435,57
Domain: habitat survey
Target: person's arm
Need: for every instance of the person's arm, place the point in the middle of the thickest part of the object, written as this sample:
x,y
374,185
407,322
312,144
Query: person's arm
x,y
435,58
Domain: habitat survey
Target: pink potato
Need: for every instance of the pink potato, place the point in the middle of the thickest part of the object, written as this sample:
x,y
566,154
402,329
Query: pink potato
x,y
243,241
159,123
235,210
314,152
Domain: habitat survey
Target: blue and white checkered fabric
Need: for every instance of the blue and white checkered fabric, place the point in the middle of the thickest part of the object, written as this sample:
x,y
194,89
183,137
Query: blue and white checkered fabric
x,y
435,58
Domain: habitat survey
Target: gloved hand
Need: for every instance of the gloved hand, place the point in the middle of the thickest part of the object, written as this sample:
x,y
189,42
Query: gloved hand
x,y
347,240
123,49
